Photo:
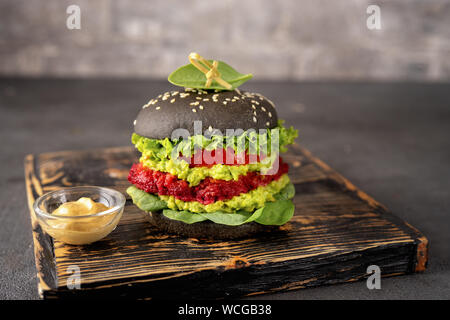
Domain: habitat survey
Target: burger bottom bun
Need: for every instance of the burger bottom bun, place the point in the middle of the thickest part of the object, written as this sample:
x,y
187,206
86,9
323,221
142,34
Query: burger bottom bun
x,y
208,229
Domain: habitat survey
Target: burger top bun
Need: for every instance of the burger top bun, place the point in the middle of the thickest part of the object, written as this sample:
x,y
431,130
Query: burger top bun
x,y
215,109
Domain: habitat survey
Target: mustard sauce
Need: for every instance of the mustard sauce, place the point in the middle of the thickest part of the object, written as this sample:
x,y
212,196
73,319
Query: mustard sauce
x,y
81,207
85,229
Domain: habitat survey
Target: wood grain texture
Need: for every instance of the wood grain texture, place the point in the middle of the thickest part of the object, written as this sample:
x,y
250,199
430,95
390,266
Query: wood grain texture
x,y
336,232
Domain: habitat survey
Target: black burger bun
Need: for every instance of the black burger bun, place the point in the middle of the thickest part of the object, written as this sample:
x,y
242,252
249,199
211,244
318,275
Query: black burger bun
x,y
215,109
208,229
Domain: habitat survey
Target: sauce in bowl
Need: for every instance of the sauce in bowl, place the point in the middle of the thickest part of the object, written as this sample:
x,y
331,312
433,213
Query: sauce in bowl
x,y
83,220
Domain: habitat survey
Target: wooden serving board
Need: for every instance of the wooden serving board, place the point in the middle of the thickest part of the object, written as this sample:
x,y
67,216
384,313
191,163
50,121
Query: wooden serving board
x,y
336,233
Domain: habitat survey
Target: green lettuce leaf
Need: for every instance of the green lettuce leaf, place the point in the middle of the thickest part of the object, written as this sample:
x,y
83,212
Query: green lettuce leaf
x,y
287,136
160,150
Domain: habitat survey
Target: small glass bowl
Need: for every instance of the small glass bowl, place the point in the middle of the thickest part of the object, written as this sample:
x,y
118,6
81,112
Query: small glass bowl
x,y
79,229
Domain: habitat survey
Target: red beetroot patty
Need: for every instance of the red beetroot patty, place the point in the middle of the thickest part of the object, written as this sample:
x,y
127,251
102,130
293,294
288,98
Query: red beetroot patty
x,y
208,191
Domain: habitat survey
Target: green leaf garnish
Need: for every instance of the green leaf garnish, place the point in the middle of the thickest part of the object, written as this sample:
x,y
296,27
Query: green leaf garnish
x,y
189,76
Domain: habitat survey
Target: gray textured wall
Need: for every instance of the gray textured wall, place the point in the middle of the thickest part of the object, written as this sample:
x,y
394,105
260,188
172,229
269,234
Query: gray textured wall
x,y
311,39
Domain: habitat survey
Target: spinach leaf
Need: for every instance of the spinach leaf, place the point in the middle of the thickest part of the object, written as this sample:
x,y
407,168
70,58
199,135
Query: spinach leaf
x,y
184,216
146,201
273,213
276,213
189,76
231,219
286,193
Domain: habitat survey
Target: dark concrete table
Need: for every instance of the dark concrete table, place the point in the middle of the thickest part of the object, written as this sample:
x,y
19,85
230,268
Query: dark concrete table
x,y
390,139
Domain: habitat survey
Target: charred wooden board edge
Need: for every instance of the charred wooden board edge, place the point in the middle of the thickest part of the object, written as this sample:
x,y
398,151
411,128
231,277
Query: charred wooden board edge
x,y
252,280
420,258
46,266
43,243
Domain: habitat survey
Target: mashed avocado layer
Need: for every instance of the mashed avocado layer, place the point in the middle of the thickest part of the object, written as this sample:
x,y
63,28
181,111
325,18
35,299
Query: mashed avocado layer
x,y
248,201
195,175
